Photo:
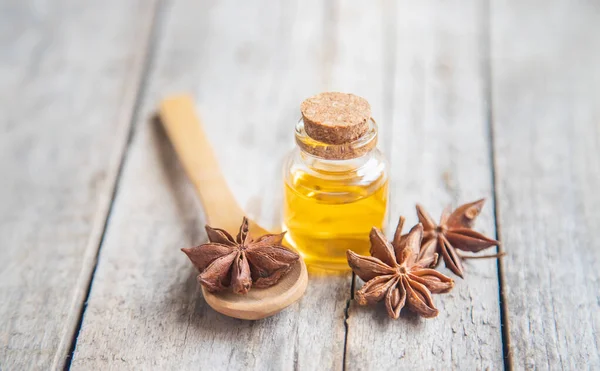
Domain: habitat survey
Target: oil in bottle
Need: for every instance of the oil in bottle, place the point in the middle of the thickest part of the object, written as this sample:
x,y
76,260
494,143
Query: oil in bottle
x,y
336,181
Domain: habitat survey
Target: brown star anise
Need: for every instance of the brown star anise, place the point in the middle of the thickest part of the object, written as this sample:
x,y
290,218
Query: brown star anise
x,y
398,273
241,263
454,232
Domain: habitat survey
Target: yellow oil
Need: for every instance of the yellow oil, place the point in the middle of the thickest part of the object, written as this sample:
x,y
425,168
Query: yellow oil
x,y
325,217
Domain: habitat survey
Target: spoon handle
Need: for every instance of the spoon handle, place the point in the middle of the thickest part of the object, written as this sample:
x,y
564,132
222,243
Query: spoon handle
x,y
193,148
195,153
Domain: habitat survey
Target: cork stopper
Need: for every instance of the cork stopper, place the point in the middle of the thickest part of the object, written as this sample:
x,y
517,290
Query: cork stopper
x,y
335,118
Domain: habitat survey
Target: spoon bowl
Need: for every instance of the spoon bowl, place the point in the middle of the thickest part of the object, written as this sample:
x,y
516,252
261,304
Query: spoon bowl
x,y
261,303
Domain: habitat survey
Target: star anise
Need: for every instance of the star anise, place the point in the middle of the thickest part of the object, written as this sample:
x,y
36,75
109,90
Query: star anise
x,y
454,232
398,273
241,263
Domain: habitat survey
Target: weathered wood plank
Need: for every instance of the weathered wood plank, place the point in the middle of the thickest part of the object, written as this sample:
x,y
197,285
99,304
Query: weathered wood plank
x,y
69,73
439,155
546,116
249,65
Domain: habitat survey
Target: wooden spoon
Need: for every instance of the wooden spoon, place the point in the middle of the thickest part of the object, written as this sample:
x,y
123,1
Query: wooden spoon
x,y
187,135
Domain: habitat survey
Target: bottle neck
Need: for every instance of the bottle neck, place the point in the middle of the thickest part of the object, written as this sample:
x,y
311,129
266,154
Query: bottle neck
x,y
323,165
356,149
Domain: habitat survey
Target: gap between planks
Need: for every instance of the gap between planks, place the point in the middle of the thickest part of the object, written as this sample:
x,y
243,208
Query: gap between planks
x,y
486,60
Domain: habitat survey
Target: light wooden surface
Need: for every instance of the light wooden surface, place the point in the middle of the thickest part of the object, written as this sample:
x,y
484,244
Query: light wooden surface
x,y
496,99
546,121
68,83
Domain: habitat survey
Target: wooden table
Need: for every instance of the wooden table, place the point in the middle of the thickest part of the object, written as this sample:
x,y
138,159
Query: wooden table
x,y
497,99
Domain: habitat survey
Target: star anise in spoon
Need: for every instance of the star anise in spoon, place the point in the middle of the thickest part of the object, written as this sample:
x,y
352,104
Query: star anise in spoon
x,y
397,273
454,232
240,263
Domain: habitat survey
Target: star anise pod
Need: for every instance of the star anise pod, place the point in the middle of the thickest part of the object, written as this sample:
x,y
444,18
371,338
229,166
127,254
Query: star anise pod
x,y
454,232
242,262
398,273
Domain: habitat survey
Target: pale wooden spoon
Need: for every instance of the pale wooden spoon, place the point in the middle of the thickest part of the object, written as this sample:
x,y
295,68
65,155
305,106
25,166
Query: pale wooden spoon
x,y
187,135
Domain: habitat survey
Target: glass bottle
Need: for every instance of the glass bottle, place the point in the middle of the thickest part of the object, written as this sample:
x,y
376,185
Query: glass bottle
x,y
334,194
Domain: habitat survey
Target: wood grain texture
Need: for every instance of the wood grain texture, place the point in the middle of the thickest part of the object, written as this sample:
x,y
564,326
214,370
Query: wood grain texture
x,y
545,92
69,73
249,66
440,155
